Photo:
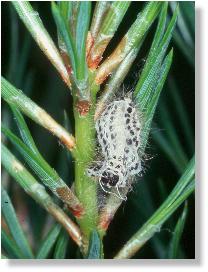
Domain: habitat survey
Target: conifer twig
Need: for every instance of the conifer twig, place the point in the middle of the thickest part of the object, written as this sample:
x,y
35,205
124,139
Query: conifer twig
x,y
32,21
38,192
45,172
115,81
131,40
36,113
110,23
184,187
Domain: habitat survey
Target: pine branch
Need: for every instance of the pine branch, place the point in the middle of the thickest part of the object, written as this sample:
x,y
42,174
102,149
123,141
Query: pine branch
x,y
46,173
179,194
130,41
37,192
114,16
32,21
16,98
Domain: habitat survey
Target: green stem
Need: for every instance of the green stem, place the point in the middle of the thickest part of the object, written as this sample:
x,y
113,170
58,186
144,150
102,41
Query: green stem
x,y
86,187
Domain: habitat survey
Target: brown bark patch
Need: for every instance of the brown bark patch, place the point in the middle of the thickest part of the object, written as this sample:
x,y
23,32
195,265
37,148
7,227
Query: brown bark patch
x,y
93,63
66,61
77,211
97,50
69,143
83,107
68,197
109,65
105,222
89,43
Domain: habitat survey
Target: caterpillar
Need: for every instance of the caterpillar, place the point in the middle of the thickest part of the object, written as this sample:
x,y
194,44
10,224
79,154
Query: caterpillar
x,y
118,133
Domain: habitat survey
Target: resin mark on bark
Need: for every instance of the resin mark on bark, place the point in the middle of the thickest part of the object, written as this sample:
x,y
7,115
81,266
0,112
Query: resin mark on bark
x,y
69,143
77,211
66,61
105,222
68,197
89,43
93,63
111,63
96,53
83,107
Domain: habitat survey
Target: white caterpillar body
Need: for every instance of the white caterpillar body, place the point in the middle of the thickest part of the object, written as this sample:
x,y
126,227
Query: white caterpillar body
x,y
118,132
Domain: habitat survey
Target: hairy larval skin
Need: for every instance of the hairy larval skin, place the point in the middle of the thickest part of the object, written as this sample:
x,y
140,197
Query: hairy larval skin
x,y
118,133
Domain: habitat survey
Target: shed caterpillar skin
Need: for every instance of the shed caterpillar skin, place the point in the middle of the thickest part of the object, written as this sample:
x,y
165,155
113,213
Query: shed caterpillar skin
x,y
118,133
